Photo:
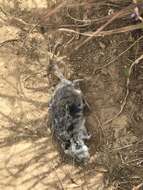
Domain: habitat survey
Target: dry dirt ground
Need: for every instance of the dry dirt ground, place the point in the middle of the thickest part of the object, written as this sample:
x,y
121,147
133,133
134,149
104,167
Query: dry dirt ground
x,y
29,157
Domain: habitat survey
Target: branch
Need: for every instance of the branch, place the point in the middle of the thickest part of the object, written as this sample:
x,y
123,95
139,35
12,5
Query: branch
x,y
137,61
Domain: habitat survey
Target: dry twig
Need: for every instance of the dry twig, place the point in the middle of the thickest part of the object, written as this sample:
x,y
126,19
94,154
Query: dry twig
x,y
137,61
45,17
106,33
114,16
138,187
122,53
8,41
136,9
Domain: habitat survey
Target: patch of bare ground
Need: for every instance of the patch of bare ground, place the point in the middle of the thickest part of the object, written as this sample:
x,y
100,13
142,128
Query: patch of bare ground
x,y
98,41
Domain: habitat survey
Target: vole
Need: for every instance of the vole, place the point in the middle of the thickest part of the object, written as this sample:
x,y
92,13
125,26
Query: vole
x,y
67,106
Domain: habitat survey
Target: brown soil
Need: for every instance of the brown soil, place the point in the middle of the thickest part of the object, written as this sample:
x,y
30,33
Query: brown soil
x,y
29,156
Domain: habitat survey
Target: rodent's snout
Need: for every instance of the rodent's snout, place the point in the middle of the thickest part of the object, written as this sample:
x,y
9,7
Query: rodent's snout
x,y
83,155
79,151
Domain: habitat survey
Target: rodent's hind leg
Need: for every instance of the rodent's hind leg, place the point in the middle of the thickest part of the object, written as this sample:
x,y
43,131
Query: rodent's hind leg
x,y
83,134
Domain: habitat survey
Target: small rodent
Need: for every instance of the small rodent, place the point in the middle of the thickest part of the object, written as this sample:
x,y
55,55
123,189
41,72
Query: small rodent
x,y
66,109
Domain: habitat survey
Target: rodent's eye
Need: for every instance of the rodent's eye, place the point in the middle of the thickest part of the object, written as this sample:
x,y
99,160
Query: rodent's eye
x,y
67,144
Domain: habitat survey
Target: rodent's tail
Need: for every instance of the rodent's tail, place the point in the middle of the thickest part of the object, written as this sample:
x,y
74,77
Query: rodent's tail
x,y
54,61
58,73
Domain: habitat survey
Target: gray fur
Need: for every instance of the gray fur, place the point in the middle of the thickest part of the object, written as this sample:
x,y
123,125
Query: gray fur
x,y
68,121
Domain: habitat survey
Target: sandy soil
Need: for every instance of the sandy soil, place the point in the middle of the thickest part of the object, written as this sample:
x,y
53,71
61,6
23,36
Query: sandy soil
x,y
29,156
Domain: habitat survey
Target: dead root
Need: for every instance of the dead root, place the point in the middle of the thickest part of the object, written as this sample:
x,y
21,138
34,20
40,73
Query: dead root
x,y
137,61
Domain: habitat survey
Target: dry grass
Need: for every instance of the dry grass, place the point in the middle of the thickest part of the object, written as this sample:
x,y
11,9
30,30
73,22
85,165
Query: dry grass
x,y
25,139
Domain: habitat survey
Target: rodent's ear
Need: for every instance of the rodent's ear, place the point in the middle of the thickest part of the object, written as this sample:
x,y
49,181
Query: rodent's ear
x,y
77,82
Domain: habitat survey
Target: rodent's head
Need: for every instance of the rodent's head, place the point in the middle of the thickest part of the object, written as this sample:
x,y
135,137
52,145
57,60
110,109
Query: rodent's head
x,y
78,150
